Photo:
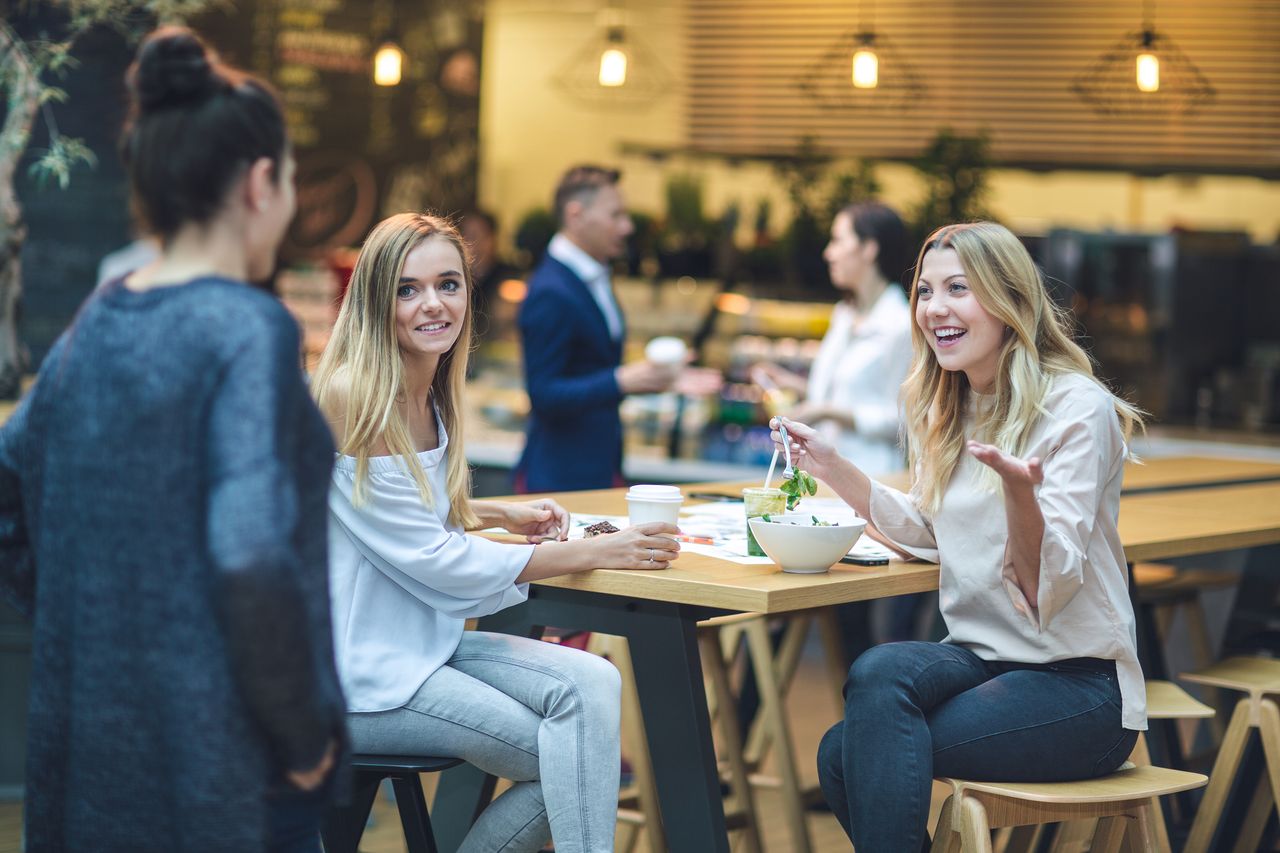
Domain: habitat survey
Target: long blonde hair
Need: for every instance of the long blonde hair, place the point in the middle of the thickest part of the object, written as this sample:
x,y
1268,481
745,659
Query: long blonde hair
x,y
362,363
1037,347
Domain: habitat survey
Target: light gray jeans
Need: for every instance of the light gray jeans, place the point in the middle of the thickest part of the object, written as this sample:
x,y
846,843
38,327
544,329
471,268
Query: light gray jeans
x,y
541,715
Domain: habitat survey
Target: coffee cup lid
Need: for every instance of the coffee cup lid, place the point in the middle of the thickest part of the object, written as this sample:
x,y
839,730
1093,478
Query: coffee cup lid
x,y
655,493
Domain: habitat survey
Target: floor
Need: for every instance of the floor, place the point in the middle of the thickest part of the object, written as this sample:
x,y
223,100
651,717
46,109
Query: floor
x,y
811,718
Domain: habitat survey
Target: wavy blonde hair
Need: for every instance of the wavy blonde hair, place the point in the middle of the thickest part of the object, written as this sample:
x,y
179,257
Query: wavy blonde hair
x,y
362,363
1037,347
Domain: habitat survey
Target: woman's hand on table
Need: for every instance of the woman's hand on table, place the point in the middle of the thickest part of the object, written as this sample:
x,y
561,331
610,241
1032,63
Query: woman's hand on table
x,y
639,547
541,520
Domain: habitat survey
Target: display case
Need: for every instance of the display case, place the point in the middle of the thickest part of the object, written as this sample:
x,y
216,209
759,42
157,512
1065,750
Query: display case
x,y
1176,321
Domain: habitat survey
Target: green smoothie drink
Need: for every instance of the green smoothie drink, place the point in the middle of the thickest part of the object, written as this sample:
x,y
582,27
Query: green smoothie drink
x,y
758,502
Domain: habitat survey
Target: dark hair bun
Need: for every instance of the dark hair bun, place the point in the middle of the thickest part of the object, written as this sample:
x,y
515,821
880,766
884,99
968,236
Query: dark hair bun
x,y
173,68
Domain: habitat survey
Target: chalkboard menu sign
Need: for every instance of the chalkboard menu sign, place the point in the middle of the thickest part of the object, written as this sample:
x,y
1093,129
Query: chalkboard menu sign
x,y
365,151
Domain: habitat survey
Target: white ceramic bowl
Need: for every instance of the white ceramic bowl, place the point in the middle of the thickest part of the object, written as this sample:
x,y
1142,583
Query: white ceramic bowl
x,y
793,542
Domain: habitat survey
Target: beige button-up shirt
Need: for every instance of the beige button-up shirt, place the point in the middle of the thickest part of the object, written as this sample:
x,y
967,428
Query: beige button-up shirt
x,y
1083,607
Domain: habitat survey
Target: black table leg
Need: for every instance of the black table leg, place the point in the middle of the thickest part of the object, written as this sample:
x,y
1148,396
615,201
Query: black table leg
x,y
664,654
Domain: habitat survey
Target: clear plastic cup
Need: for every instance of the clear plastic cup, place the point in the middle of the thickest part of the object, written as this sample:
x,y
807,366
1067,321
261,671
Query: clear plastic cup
x,y
760,501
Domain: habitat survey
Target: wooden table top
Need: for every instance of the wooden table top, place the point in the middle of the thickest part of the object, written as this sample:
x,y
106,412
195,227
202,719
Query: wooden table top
x,y
1167,472
1152,527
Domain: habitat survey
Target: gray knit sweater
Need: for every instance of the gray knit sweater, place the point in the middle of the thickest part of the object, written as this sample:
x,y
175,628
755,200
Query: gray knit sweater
x,y
162,520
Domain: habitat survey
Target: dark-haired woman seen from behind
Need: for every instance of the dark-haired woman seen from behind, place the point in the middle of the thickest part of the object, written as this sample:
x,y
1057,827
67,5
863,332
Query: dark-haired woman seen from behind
x,y
162,508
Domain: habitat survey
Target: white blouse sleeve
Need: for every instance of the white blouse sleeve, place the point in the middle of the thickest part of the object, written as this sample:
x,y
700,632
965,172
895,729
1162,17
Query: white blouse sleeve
x,y
1079,456
898,517
456,573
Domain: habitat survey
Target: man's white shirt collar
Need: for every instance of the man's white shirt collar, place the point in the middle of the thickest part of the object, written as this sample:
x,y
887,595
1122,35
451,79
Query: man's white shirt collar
x,y
572,256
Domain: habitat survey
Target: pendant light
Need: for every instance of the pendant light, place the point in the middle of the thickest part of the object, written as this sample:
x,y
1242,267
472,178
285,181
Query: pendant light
x,y
862,69
388,63
613,69
613,60
1144,72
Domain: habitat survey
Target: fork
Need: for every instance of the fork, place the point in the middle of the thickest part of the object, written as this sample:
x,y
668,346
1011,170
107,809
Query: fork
x,y
788,472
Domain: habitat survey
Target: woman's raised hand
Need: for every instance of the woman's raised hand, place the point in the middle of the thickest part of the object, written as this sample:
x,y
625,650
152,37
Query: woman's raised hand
x,y
809,450
1017,474
639,547
541,520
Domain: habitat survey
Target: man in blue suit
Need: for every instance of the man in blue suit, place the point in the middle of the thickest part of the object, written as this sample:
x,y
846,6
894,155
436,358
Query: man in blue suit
x,y
572,331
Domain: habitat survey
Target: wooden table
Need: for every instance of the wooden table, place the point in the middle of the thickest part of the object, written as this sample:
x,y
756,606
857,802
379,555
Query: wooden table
x,y
1169,473
658,611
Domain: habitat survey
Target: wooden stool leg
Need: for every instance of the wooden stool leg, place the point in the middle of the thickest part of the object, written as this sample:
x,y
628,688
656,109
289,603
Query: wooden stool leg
x,y
1109,836
1074,836
1143,834
975,832
944,834
772,710
1202,653
730,736
1220,779
1255,820
1022,839
1269,730
1141,756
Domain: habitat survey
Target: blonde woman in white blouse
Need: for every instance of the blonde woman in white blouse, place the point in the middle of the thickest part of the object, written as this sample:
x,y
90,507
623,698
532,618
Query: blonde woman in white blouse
x,y
1018,453
404,574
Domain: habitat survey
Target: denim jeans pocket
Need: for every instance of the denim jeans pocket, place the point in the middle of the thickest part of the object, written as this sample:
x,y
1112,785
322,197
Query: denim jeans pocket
x,y
1117,754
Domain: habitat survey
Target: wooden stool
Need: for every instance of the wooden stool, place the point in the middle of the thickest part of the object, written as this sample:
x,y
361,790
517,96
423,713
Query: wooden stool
x,y
1259,678
1165,701
774,672
1121,800
343,826
1167,591
639,814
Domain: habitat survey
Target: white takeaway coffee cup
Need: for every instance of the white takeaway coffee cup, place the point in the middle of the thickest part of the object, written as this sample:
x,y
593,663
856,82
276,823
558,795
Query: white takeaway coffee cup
x,y
654,503
669,351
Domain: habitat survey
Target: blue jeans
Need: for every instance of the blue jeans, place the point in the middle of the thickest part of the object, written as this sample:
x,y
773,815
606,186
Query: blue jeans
x,y
914,711
541,715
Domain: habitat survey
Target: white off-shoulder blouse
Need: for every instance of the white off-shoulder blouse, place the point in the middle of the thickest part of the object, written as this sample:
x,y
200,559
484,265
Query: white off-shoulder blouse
x,y
1083,607
403,580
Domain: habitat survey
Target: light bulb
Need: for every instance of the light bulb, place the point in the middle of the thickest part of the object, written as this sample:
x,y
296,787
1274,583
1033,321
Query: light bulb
x,y
386,65
613,67
1148,72
866,69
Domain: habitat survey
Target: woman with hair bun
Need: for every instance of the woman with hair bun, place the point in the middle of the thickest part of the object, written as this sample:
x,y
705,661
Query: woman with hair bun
x,y
162,507
1018,454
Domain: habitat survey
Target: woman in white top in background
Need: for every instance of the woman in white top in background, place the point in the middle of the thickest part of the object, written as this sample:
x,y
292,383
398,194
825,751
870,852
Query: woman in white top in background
x,y
851,394
1018,453
404,574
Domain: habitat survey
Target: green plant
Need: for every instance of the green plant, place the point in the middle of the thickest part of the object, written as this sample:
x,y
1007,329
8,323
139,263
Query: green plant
x,y
686,225
534,232
856,184
955,169
29,65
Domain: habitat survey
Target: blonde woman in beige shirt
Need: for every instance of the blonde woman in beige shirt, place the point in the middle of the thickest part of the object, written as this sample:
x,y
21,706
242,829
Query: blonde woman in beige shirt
x,y
1018,452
